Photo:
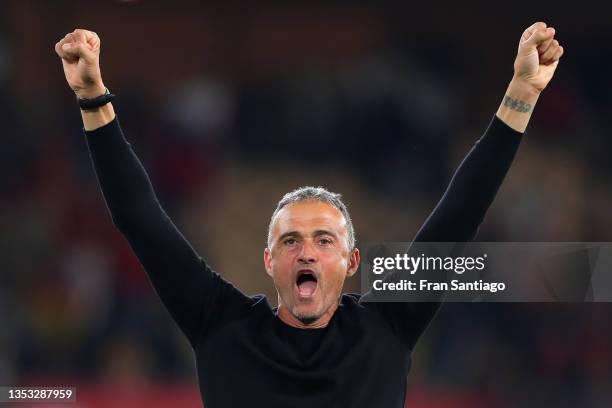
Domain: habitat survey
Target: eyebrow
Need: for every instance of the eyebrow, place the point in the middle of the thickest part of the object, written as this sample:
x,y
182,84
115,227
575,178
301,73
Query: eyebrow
x,y
297,234
324,232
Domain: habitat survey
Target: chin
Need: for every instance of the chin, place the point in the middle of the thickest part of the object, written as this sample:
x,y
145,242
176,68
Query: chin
x,y
307,317
308,320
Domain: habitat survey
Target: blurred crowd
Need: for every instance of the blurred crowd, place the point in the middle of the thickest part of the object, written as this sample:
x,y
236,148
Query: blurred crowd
x,y
385,123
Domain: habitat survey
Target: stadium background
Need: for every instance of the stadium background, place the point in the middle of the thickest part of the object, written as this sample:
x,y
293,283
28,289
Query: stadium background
x,y
229,106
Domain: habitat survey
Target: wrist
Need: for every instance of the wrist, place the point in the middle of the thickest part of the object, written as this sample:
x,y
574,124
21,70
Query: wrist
x,y
517,104
91,92
522,89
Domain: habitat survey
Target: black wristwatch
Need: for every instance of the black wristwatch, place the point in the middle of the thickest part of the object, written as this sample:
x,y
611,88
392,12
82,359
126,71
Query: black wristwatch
x,y
94,103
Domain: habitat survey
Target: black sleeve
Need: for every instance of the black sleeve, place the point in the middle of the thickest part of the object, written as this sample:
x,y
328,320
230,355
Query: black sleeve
x,y
458,215
193,294
473,188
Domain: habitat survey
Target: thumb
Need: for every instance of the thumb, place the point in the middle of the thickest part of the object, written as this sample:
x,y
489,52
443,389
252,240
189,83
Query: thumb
x,y
78,50
537,37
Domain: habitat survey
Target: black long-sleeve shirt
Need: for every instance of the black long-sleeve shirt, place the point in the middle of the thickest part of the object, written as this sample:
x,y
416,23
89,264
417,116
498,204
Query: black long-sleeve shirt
x,y
246,356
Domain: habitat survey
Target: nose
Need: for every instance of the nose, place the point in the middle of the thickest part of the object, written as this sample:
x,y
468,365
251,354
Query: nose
x,y
308,253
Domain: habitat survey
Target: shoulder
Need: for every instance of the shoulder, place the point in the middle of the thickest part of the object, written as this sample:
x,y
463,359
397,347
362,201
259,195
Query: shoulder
x,y
229,303
350,300
354,304
360,316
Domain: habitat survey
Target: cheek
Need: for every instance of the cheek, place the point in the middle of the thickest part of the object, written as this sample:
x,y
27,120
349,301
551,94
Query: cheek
x,y
334,260
281,268
336,267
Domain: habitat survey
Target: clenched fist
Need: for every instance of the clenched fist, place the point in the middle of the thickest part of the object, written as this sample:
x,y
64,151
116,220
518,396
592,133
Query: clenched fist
x,y
538,56
80,54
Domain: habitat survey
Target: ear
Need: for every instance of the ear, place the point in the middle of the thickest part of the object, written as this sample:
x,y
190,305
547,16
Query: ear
x,y
354,259
268,262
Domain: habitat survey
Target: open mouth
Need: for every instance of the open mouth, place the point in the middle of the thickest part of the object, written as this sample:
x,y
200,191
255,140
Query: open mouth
x,y
306,283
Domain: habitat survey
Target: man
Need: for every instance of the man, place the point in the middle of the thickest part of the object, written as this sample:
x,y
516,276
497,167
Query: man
x,y
318,348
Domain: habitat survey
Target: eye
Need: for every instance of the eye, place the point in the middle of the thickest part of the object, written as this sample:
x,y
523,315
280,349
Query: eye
x,y
325,241
290,241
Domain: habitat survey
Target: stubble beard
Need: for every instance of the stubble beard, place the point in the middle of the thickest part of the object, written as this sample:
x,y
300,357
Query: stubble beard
x,y
308,318
311,316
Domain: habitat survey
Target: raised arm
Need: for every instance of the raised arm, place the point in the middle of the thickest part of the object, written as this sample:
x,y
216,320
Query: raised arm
x,y
186,285
473,187
458,214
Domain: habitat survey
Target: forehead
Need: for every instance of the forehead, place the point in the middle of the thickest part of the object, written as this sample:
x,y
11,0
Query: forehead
x,y
307,216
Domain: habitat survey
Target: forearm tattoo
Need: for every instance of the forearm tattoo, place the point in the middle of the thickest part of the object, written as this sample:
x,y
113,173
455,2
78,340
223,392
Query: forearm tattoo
x,y
516,105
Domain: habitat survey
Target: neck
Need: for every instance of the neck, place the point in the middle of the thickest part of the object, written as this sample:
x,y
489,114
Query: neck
x,y
289,319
